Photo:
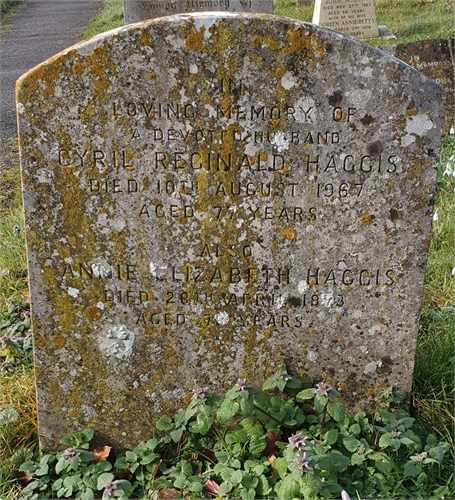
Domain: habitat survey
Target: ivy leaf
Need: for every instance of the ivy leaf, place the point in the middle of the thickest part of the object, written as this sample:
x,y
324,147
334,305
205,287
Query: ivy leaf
x,y
103,479
176,435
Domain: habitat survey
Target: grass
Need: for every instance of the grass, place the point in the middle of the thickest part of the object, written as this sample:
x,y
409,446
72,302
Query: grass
x,y
433,389
409,20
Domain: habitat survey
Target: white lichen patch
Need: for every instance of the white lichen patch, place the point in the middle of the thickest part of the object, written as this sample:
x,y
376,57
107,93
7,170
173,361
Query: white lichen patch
x,y
157,271
327,299
122,346
303,287
418,124
288,80
370,368
101,271
280,141
222,318
312,356
74,292
281,301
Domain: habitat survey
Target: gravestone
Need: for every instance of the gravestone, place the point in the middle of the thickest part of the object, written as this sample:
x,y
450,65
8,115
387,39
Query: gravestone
x,y
209,196
355,18
140,10
433,58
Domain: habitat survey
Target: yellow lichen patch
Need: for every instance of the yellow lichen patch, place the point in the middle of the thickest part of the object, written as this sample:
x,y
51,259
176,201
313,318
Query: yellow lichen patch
x,y
151,75
342,386
257,41
280,72
290,234
366,219
194,40
77,68
313,331
57,340
93,312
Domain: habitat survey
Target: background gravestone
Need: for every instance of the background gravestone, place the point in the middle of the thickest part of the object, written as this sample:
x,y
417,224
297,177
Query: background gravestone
x,y
355,18
433,58
140,10
210,196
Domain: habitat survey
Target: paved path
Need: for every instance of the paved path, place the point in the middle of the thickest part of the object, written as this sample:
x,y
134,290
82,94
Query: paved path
x,y
36,32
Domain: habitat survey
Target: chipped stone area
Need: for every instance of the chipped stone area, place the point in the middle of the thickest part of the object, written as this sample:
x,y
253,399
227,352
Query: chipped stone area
x,y
208,196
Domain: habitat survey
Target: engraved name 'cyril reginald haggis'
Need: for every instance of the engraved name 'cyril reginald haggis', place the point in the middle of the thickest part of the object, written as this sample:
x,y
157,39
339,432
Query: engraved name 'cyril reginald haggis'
x,y
200,209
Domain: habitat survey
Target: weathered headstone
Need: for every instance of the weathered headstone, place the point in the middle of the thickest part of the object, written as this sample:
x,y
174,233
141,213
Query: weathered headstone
x,y
140,10
210,196
433,58
354,17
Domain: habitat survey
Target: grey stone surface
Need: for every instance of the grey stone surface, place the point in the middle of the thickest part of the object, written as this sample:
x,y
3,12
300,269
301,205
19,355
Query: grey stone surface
x,y
140,10
433,58
209,196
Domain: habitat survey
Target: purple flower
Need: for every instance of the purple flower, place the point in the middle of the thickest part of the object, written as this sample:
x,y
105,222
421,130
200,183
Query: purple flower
x,y
323,389
200,393
298,441
70,453
301,462
241,383
110,487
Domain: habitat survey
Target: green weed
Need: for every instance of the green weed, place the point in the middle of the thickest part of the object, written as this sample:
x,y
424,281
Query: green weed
x,y
285,441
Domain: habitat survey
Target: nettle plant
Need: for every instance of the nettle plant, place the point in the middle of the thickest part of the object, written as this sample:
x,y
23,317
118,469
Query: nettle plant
x,y
285,441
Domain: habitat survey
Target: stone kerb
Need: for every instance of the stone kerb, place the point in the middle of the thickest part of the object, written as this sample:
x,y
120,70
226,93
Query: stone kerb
x,y
208,196
140,10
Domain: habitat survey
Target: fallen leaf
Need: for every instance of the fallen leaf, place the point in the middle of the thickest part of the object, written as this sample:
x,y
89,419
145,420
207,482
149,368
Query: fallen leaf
x,y
211,486
271,459
168,494
23,477
101,453
271,438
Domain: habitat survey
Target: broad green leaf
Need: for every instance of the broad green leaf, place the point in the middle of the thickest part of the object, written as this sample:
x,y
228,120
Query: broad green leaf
x,y
305,394
236,477
357,459
281,466
131,456
176,435
248,494
72,482
331,436
354,430
351,443
165,424
262,399
386,440
104,479
406,441
227,410
288,488
437,453
432,440
88,494
412,469
61,464
383,463
202,424
246,405
337,411
333,462
224,489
